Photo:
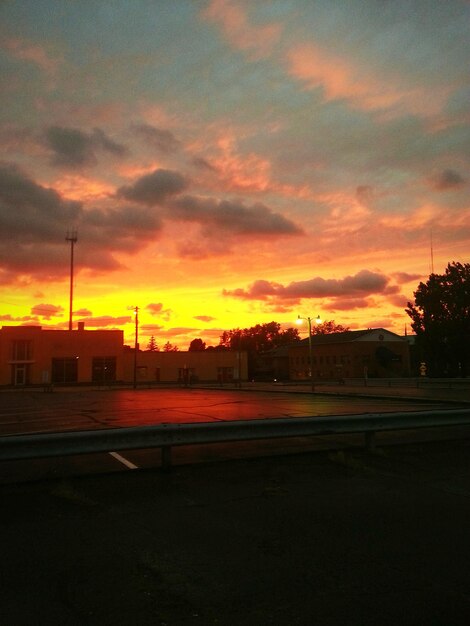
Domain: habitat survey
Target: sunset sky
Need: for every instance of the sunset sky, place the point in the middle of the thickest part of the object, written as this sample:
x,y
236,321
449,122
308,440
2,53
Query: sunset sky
x,y
228,163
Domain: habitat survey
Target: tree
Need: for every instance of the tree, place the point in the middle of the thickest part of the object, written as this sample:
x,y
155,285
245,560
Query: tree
x,y
152,345
258,339
168,347
328,328
197,345
440,318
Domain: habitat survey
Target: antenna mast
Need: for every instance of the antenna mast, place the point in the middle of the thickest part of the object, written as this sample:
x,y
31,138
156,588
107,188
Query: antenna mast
x,y
432,255
72,237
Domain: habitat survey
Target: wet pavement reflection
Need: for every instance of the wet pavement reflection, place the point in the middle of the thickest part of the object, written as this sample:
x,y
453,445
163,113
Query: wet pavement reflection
x,y
36,411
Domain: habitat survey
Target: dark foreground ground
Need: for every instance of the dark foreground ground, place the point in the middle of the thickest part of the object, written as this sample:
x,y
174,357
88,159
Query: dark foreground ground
x,y
327,538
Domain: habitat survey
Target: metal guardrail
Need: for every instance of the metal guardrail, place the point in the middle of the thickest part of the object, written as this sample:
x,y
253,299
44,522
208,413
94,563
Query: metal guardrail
x,y
165,436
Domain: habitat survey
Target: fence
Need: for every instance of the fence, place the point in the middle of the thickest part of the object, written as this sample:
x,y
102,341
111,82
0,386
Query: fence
x,y
165,436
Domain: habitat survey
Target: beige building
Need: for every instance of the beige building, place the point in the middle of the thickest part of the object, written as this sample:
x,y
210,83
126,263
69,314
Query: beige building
x,y
185,367
31,355
375,353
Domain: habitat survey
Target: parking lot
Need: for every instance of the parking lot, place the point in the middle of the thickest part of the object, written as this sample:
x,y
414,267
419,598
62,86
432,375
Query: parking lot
x,y
310,530
33,411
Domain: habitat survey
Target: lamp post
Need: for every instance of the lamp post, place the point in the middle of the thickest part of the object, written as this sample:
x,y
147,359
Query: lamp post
x,y
310,354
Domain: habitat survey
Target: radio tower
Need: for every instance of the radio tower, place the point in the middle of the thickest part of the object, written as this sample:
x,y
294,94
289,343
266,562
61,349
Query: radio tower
x,y
72,237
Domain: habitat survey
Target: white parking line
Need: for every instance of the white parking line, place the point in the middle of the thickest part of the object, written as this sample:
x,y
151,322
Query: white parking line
x,y
124,461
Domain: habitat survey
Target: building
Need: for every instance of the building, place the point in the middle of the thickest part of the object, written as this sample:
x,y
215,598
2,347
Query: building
x,y
31,355
223,366
374,353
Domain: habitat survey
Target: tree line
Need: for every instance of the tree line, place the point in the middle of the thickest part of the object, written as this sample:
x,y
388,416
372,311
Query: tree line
x,y
440,318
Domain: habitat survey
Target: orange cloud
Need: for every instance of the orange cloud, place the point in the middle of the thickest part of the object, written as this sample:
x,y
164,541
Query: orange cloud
x,y
344,79
257,40
35,53
78,187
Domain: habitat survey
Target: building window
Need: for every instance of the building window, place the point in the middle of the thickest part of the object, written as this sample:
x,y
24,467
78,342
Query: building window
x,y
224,374
20,374
65,370
186,375
104,369
142,372
22,350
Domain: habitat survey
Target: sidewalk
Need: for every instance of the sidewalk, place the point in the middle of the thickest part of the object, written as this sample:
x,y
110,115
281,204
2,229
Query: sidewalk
x,y
438,394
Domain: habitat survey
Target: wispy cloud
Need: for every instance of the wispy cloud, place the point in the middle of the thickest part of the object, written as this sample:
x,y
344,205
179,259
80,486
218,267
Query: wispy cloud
x,y
257,41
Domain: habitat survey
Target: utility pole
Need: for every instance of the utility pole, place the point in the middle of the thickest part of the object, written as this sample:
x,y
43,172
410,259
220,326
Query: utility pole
x,y
72,237
136,343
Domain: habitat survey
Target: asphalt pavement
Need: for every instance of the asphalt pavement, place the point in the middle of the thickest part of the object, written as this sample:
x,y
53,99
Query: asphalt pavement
x,y
332,538
328,537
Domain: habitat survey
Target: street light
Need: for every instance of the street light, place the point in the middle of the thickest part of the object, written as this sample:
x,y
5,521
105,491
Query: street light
x,y
310,355
136,340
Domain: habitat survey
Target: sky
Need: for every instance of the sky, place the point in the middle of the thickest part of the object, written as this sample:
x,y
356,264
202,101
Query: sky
x,y
230,163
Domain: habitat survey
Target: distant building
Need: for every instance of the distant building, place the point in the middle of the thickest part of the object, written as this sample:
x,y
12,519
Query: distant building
x,y
186,367
375,353
31,355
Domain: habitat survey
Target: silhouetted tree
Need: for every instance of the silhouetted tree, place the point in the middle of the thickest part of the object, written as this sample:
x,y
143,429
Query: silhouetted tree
x,y
168,347
328,327
258,339
441,320
197,345
152,345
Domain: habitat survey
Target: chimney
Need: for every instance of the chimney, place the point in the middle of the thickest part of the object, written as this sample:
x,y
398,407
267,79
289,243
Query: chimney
x,y
81,325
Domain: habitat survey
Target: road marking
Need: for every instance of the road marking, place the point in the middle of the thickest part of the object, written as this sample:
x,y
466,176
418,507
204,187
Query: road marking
x,y
124,461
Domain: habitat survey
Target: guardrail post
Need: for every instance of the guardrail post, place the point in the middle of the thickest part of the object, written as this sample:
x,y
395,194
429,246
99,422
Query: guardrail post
x,y
370,440
166,457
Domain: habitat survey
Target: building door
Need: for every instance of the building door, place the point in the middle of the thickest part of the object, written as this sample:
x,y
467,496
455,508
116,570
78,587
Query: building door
x,y
104,369
65,370
20,374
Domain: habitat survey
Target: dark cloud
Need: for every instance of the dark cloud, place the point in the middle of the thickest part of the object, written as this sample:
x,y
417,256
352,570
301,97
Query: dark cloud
x,y
150,329
232,216
123,228
24,318
203,164
204,318
364,194
34,219
347,303
47,311
404,277
74,148
161,186
101,140
447,179
156,309
152,189
31,212
83,313
360,285
163,140
105,321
